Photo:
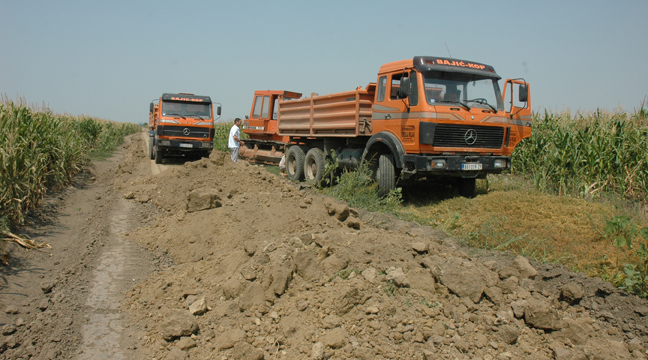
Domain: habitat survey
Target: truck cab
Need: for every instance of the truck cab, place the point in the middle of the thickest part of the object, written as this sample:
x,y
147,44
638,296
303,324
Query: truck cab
x,y
181,124
447,117
265,144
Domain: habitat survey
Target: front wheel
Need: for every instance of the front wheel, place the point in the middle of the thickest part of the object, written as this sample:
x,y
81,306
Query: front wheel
x,y
159,155
295,163
386,174
150,148
314,164
467,187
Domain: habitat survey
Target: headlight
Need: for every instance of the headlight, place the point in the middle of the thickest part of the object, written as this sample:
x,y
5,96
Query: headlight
x,y
165,143
438,164
500,163
206,144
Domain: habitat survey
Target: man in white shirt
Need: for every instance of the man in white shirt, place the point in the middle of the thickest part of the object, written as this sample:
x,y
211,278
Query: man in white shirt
x,y
235,139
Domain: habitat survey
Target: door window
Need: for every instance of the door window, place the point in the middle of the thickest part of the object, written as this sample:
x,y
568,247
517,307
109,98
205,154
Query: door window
x,y
266,106
382,85
395,87
257,107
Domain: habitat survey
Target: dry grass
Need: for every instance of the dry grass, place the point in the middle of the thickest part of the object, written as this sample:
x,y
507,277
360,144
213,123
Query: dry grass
x,y
513,216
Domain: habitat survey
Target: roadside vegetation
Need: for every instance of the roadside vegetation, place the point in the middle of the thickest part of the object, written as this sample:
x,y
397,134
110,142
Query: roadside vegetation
x,y
221,135
40,151
587,155
358,189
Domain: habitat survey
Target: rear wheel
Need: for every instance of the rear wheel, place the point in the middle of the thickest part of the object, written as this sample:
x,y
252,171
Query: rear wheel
x,y
295,163
386,175
158,155
314,164
467,187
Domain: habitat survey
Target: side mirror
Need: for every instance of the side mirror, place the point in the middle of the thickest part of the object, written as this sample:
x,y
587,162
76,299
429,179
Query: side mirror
x,y
247,117
151,108
218,110
404,88
523,93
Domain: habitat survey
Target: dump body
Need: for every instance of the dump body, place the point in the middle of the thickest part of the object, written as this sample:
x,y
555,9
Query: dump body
x,y
181,125
346,114
424,117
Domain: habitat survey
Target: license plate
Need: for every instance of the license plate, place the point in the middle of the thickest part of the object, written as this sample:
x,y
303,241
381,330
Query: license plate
x,y
472,166
186,145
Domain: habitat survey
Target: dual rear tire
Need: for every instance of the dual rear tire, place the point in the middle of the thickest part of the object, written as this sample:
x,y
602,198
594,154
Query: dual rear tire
x,y
295,163
302,165
314,166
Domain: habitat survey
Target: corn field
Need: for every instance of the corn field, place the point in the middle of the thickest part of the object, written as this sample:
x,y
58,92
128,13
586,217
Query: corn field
x,y
221,135
40,150
587,155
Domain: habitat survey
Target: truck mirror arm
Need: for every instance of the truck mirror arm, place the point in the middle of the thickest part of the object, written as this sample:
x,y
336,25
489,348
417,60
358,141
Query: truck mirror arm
x,y
406,103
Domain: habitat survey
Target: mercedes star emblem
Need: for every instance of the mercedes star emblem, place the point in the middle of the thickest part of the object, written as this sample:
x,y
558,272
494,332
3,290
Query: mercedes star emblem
x,y
186,131
470,136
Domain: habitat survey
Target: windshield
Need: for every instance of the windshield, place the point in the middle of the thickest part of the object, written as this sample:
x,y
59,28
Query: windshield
x,y
183,109
460,88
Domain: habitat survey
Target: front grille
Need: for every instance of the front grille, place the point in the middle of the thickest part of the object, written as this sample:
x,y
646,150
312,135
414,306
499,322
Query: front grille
x,y
487,137
181,131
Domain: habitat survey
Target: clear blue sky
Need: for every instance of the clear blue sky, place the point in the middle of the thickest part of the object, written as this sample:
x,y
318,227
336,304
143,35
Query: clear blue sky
x,y
109,59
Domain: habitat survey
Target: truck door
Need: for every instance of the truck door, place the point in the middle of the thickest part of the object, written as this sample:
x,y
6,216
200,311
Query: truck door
x,y
392,105
259,118
517,103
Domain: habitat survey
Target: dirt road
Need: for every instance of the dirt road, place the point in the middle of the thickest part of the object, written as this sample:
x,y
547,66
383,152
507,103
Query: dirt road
x,y
64,302
210,259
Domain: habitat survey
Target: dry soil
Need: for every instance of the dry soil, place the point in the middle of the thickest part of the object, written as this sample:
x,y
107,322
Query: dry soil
x,y
215,260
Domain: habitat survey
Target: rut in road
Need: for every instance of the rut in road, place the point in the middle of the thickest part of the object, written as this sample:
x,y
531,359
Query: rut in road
x,y
103,333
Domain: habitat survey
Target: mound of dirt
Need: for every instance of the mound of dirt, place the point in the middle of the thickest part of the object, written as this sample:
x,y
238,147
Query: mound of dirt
x,y
266,269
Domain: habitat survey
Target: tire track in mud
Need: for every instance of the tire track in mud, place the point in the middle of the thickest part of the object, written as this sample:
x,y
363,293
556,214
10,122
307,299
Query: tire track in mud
x,y
104,334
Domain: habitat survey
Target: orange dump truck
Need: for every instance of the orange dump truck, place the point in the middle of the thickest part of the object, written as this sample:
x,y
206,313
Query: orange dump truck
x,y
427,117
181,125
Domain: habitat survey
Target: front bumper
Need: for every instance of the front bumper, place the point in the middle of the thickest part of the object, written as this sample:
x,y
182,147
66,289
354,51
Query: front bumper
x,y
184,145
454,165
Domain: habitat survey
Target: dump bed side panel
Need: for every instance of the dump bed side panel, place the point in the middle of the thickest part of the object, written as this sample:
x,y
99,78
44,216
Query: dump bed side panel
x,y
346,114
